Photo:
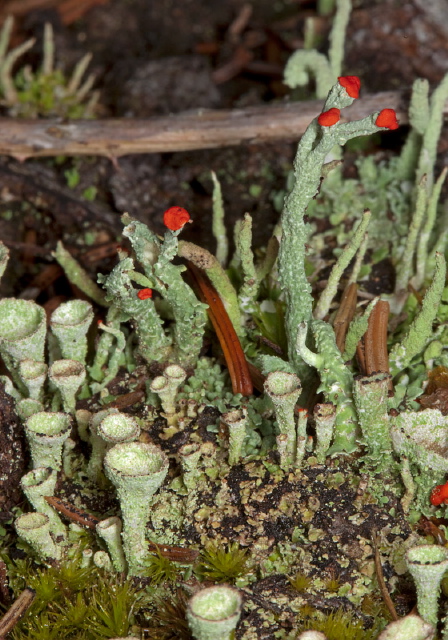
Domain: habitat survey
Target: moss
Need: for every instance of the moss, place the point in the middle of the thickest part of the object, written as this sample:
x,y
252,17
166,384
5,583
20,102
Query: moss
x,y
223,564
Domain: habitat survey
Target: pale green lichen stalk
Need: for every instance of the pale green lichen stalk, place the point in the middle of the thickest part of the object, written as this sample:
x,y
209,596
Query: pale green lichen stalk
x,y
213,613
137,470
165,277
315,145
427,565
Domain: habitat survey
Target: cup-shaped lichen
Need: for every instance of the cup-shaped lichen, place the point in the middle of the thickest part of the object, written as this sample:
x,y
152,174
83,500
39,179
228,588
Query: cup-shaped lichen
x,y
110,530
175,374
427,564
284,389
23,326
137,470
33,374
37,484
189,458
236,422
70,323
34,528
67,376
422,437
28,407
166,392
118,427
213,613
46,433
410,627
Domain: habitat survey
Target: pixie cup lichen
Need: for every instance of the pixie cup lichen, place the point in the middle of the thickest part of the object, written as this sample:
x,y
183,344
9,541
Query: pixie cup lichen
x,y
36,485
70,323
284,389
46,433
67,376
23,327
34,528
213,613
118,427
137,470
33,375
427,565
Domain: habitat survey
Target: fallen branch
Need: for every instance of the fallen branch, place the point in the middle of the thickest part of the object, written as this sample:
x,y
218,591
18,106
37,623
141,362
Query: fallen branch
x,y
16,611
203,129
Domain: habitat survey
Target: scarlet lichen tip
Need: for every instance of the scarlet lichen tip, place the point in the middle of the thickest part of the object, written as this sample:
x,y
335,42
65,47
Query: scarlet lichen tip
x,y
144,294
175,218
387,118
439,495
351,84
329,118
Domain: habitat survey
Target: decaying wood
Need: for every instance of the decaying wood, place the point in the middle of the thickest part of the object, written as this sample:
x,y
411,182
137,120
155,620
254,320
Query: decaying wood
x,y
71,512
16,611
380,578
203,129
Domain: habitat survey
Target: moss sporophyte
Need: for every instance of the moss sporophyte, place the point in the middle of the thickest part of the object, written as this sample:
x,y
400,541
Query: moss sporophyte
x,y
282,461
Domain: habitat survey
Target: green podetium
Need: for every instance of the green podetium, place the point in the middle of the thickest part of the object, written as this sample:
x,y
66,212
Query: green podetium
x,y
370,396
284,389
46,433
67,376
165,277
34,528
70,323
110,531
320,137
166,387
236,422
23,327
427,565
154,344
37,484
137,470
336,382
33,374
213,613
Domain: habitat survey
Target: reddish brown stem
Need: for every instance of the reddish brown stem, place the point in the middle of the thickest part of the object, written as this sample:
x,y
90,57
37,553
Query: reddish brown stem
x,y
228,339
345,314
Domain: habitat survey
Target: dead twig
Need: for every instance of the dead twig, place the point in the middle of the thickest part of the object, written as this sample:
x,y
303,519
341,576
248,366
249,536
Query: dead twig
x,y
380,577
16,611
71,512
204,129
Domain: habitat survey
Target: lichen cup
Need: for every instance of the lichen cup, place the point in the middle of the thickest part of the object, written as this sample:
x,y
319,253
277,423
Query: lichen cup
x,y
23,327
137,470
67,376
33,375
118,427
213,613
46,433
70,323
427,564
34,528
36,485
